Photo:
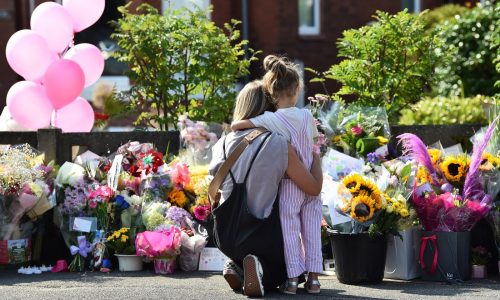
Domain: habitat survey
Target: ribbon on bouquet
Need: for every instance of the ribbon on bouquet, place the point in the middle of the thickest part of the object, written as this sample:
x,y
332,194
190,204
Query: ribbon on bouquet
x,y
423,245
83,248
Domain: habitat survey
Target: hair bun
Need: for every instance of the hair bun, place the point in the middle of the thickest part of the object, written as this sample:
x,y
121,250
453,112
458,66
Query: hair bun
x,y
275,64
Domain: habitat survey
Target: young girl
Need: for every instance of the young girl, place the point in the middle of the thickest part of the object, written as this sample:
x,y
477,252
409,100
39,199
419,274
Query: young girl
x,y
300,214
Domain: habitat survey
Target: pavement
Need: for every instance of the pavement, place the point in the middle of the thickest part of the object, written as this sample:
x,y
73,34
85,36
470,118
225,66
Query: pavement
x,y
211,285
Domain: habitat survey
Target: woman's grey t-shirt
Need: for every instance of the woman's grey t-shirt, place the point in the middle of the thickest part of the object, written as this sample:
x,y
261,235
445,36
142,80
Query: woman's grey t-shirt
x,y
267,171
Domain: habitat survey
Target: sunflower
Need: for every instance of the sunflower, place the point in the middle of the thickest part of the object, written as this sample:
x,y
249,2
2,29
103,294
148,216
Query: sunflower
x,y
454,168
369,188
435,155
353,182
423,176
362,208
489,162
177,198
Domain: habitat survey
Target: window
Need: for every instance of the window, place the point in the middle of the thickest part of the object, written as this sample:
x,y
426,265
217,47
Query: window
x,y
412,5
309,19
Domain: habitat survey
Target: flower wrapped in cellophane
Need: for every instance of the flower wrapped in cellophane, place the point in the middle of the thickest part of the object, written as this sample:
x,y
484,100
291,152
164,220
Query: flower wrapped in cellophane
x,y
197,140
372,206
362,130
449,193
26,186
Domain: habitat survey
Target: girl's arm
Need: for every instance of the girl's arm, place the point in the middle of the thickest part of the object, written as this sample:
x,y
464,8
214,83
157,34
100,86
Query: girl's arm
x,y
309,182
242,124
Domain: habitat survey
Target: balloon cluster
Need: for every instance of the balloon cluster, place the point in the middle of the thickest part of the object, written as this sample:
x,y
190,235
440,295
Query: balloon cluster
x,y
55,71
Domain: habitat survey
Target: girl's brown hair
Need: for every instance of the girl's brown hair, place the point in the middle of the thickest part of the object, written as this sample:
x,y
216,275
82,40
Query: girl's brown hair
x,y
282,77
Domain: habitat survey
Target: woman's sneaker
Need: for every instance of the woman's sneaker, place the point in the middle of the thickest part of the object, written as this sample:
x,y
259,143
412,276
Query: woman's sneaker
x,y
233,274
252,284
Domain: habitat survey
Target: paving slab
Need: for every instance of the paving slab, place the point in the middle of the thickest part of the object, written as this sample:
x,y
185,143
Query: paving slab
x,y
211,285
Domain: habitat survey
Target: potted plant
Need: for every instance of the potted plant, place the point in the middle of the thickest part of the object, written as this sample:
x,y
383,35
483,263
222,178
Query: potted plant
x,y
121,242
480,256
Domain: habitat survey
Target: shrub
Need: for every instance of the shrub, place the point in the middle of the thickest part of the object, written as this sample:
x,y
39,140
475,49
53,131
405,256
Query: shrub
x,y
389,63
180,62
442,110
472,37
443,13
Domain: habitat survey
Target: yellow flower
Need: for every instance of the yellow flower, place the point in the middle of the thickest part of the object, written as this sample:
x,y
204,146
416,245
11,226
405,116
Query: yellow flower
x,y
382,140
489,162
362,208
336,139
454,168
124,238
389,208
435,155
423,176
370,188
352,182
177,198
404,213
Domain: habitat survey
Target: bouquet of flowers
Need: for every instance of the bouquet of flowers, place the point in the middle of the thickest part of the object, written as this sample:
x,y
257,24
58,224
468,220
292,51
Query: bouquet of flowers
x,y
362,130
122,241
26,186
197,140
371,208
451,197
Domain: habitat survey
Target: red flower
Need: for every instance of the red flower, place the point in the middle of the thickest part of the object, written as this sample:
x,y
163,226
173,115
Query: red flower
x,y
99,116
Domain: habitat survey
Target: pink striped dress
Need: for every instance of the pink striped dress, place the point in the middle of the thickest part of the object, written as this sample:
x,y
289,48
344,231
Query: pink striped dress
x,y
300,214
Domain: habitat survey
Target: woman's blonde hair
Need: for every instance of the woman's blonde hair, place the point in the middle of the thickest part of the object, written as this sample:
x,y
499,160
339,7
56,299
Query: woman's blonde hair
x,y
282,77
251,102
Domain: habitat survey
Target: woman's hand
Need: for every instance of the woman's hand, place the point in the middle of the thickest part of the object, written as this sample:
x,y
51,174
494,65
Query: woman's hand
x,y
310,182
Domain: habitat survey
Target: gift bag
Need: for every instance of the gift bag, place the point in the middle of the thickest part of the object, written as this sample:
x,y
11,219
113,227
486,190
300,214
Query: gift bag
x,y
402,255
445,256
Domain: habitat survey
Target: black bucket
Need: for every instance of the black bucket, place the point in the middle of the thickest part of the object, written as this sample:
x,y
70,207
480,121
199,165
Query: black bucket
x,y
359,259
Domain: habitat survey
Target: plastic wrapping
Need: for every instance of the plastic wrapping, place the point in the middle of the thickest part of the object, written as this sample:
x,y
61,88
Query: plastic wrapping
x,y
362,130
451,195
197,140
159,244
192,243
26,186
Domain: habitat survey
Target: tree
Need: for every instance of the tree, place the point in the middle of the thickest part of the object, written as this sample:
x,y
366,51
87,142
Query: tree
x,y
180,62
389,63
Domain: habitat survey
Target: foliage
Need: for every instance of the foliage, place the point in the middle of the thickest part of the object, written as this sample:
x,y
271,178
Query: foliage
x,y
480,256
443,13
474,38
442,110
389,63
180,62
122,241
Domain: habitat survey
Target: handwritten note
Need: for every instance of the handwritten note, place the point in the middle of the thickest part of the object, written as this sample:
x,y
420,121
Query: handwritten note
x,y
212,259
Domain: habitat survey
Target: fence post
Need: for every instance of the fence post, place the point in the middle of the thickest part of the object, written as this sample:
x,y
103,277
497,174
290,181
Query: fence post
x,y
48,143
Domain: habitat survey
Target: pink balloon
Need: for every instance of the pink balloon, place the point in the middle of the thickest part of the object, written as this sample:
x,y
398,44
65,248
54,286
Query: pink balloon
x,y
28,54
84,12
90,59
54,23
78,116
64,81
29,105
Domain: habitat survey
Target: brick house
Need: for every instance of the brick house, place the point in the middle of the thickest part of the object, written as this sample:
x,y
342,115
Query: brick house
x,y
304,30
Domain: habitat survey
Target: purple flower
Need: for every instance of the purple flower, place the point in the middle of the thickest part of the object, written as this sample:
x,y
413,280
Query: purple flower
x,y
373,158
178,215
